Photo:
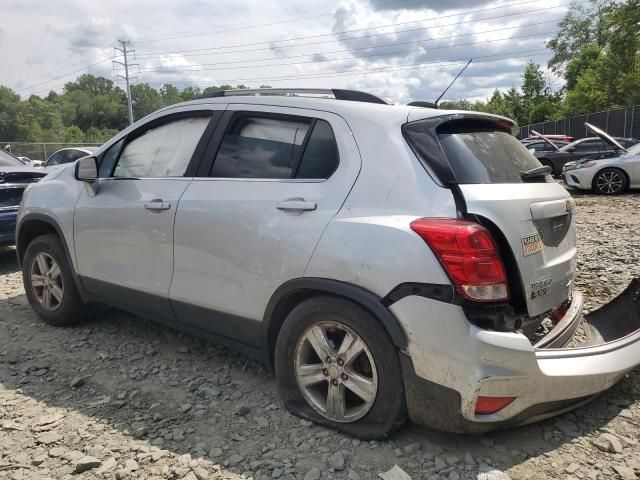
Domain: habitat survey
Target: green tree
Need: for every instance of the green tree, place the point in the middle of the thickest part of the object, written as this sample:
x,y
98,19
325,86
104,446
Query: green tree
x,y
191,93
581,26
9,107
587,58
169,95
145,99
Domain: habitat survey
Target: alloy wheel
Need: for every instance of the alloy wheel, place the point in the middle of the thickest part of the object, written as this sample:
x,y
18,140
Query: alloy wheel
x,y
46,281
610,182
336,372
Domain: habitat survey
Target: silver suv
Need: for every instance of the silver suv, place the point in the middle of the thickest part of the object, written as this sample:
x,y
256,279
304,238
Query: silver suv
x,y
389,261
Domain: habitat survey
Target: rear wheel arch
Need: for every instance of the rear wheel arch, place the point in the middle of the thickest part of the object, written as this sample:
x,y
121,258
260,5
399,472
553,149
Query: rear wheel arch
x,y
294,292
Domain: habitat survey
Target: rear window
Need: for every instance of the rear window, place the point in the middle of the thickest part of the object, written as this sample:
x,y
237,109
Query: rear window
x,y
478,154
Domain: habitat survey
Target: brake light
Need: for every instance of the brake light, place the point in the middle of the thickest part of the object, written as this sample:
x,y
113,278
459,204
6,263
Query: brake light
x,y
489,405
468,254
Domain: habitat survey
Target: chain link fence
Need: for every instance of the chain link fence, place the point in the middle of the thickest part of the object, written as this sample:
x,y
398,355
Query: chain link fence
x,y
621,122
39,151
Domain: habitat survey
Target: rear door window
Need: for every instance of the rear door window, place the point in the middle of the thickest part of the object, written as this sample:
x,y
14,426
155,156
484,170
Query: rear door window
x,y
273,146
478,154
260,147
320,158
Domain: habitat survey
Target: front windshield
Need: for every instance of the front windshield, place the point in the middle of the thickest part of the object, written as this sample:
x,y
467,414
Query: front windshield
x,y
8,160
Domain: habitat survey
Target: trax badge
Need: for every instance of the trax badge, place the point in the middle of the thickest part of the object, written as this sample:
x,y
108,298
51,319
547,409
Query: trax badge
x,y
531,244
540,288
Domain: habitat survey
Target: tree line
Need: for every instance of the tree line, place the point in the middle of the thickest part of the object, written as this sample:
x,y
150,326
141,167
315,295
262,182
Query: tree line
x,y
596,51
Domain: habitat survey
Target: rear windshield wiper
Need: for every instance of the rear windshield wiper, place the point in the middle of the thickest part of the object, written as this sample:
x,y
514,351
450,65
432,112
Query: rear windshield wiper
x,y
536,172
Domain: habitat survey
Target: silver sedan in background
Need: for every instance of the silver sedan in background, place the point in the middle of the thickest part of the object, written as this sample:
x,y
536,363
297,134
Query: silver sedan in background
x,y
607,176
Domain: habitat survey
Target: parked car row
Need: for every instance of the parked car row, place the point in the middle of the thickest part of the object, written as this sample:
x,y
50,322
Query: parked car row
x,y
18,172
15,175
593,147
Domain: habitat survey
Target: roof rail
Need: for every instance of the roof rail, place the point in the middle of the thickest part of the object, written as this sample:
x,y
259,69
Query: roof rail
x,y
338,94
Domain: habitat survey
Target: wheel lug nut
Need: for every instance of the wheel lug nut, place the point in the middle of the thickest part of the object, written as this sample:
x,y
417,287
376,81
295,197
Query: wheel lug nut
x,y
334,383
325,372
328,359
340,362
344,377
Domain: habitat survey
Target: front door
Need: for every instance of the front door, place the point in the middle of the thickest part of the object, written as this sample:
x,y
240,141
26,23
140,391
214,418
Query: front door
x,y
278,177
124,234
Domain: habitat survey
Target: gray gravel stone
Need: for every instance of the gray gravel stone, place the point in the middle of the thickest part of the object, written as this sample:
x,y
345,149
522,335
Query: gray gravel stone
x,y
86,463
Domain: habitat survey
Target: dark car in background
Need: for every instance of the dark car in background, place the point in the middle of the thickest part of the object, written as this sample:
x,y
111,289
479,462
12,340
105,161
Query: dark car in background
x,y
15,175
585,147
542,146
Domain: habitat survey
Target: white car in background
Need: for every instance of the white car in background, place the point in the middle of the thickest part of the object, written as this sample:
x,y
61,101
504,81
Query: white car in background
x,y
67,155
607,176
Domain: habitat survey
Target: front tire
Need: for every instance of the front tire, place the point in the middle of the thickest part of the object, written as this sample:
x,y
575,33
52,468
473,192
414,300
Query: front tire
x,y
335,365
49,283
610,181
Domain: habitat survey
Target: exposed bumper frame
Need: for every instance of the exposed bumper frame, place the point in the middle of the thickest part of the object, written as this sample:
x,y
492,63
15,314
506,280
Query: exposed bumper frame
x,y
546,381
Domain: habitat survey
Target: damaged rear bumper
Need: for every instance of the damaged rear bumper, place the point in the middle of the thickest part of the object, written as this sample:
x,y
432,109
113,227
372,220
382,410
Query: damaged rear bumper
x,y
546,379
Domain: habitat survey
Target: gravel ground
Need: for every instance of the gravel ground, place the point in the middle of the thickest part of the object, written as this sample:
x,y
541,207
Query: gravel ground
x,y
121,397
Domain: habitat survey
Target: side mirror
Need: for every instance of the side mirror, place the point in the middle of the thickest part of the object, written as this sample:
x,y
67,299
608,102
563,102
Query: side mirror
x,y
86,169
571,149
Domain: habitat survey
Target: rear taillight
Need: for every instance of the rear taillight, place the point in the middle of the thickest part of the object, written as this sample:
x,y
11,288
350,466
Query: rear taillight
x,y
468,254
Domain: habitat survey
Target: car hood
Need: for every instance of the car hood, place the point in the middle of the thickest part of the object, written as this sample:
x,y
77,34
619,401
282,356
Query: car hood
x,y
548,140
38,171
605,136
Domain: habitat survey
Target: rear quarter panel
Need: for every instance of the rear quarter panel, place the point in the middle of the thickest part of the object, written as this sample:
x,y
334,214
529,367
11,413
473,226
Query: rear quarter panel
x,y
369,242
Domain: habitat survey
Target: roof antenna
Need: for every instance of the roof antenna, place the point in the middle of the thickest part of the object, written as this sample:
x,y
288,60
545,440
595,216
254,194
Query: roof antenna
x,y
453,81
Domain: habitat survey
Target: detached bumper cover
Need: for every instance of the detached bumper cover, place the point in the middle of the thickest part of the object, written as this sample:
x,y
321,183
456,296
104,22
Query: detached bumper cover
x,y
545,381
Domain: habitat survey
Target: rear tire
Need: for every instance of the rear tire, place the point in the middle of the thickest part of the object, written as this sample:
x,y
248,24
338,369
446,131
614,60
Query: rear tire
x,y
49,284
610,181
306,381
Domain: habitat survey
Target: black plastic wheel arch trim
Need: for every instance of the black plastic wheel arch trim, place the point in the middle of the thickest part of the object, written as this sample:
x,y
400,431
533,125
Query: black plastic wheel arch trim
x,y
442,293
21,249
359,295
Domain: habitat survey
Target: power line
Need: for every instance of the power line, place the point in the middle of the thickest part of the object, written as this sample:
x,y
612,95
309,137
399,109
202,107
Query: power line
x,y
440,63
295,19
45,89
81,62
221,66
272,42
63,76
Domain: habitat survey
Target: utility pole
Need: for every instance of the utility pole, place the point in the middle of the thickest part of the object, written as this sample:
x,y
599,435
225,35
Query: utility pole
x,y
124,50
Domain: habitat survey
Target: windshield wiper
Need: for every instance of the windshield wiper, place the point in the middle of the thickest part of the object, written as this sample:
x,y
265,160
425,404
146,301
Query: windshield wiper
x,y
536,172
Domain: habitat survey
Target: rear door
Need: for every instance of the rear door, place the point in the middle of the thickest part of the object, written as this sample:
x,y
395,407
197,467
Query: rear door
x,y
251,221
536,219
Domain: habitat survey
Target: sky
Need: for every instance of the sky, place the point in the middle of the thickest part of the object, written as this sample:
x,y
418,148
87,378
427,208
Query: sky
x,y
402,50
